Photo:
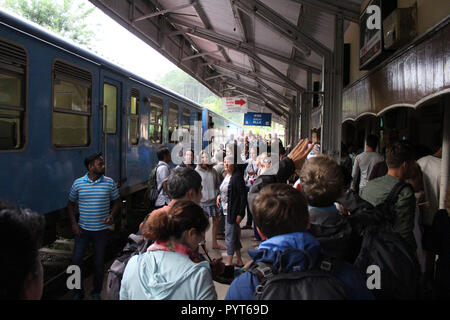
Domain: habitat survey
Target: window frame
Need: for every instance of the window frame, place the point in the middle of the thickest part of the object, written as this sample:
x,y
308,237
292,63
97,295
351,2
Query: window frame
x,y
150,99
134,91
105,114
80,113
185,111
24,94
172,105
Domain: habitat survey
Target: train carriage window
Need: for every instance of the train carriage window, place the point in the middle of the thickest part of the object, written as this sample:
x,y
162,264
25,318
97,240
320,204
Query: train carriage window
x,y
13,62
72,89
110,108
173,122
186,118
155,122
134,117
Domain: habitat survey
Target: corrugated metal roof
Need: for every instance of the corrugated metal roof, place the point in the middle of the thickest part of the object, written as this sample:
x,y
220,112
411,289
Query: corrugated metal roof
x,y
250,35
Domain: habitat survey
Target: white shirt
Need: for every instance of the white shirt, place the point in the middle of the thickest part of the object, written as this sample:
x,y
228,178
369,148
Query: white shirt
x,y
362,167
224,194
431,170
162,174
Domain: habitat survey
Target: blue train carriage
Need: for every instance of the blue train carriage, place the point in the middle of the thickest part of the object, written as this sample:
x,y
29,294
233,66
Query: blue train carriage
x,y
59,103
220,130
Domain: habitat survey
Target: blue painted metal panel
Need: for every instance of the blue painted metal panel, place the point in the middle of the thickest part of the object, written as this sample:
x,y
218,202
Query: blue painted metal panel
x,y
40,176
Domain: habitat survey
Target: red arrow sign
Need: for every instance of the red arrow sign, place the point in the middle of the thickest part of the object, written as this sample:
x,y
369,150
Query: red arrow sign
x,y
241,102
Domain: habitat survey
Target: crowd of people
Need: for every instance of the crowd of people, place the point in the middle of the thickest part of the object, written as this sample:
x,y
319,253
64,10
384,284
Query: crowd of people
x,y
312,232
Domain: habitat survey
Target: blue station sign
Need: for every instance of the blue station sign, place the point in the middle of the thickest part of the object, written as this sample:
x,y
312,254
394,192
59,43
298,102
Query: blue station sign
x,y
257,119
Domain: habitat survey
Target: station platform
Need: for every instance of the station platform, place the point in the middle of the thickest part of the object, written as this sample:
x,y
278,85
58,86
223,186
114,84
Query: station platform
x,y
221,289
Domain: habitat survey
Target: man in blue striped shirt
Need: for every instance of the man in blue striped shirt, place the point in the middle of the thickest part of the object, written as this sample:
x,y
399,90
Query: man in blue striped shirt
x,y
94,192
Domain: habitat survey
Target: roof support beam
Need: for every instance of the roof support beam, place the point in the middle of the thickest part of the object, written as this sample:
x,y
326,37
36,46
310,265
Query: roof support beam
x,y
348,10
157,13
272,91
242,29
214,77
284,26
205,20
249,73
240,46
198,55
294,50
246,6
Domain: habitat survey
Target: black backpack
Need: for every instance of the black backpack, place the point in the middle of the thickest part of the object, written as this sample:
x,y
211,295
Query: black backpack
x,y
152,188
318,282
136,244
383,247
337,240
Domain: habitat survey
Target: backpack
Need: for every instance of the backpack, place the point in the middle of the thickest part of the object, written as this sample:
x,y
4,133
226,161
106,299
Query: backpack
x,y
318,282
136,244
399,269
337,240
152,188
383,247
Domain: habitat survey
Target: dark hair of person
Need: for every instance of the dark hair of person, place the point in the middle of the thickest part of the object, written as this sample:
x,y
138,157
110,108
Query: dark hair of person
x,y
181,180
90,159
397,153
321,180
414,177
346,177
21,233
162,152
183,216
279,209
372,141
209,164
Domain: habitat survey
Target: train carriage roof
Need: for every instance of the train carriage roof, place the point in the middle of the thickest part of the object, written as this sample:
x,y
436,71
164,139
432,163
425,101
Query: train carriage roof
x,y
12,20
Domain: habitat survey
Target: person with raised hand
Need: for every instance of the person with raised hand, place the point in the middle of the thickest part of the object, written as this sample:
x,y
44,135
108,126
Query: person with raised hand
x,y
286,168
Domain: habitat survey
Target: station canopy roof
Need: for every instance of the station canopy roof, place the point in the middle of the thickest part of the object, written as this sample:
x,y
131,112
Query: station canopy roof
x,y
259,48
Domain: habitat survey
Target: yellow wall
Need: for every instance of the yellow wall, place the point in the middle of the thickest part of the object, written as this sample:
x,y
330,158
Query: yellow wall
x,y
429,13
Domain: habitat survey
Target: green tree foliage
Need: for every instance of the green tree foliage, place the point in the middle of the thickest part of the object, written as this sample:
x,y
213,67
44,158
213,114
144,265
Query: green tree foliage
x,y
65,17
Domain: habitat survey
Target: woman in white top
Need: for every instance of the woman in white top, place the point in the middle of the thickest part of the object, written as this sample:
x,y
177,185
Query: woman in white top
x,y
210,191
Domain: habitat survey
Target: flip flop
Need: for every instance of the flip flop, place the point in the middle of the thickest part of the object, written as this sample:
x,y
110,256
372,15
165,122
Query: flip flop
x,y
238,266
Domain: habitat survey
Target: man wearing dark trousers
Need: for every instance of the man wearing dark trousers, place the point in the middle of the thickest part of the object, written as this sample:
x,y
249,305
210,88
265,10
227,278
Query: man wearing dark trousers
x,y
93,192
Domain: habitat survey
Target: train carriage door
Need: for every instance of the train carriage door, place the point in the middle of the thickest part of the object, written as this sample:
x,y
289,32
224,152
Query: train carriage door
x,y
111,127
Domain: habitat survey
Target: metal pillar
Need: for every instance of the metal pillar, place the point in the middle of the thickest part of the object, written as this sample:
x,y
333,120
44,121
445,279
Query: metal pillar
x,y
297,107
445,163
306,107
332,82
